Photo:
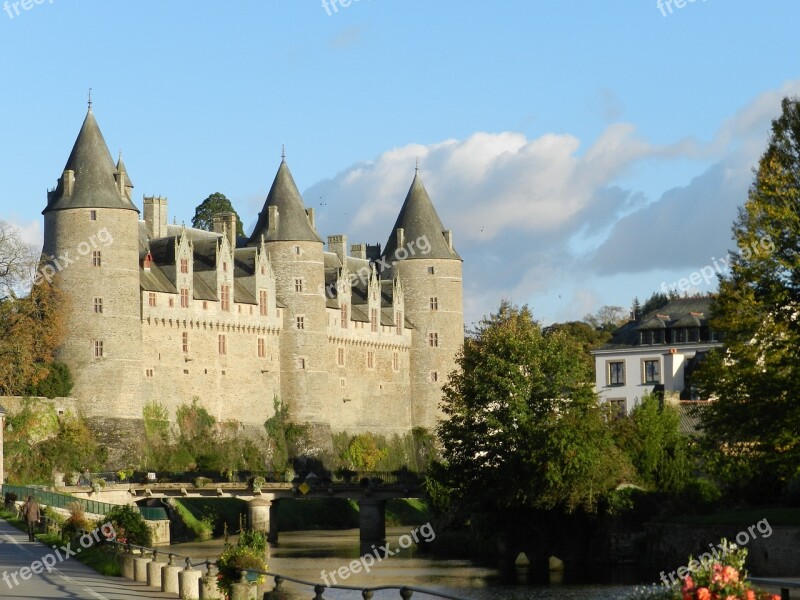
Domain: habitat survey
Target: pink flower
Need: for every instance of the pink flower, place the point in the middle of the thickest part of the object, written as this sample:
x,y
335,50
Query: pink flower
x,y
703,594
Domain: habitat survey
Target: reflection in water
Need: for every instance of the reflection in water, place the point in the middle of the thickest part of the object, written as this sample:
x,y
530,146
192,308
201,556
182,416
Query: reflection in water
x,y
307,554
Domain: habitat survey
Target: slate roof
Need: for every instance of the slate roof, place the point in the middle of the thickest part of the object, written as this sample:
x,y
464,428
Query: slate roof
x,y
418,218
95,184
293,223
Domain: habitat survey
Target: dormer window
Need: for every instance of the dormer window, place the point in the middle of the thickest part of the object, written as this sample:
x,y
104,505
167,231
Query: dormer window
x,y
184,265
148,260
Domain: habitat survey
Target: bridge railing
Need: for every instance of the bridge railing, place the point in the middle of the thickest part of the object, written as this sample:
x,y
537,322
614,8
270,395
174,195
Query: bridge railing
x,y
95,507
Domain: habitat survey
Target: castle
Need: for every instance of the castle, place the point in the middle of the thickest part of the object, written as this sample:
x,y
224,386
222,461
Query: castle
x,y
358,341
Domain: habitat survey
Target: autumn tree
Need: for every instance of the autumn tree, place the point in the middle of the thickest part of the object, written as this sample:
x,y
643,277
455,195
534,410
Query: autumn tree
x,y
17,261
751,429
215,204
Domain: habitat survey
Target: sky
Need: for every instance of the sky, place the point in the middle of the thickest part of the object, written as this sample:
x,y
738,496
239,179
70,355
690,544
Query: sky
x,y
583,153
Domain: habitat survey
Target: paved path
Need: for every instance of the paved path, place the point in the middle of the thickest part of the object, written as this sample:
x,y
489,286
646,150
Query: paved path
x,y
68,579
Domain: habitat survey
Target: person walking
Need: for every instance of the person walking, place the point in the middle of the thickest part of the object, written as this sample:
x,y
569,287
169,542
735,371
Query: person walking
x,y
32,515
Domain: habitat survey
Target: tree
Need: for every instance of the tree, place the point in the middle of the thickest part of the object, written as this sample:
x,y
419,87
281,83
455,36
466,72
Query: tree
x,y
751,428
608,318
523,428
17,260
584,334
655,301
215,204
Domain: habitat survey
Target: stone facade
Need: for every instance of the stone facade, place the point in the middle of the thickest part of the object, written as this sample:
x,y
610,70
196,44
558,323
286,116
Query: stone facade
x,y
358,341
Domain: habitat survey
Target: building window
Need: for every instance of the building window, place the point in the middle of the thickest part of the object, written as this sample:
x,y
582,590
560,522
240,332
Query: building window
x,y
224,267
205,305
96,258
373,319
434,376
398,323
171,302
98,349
618,409
223,344
98,305
151,299
185,341
184,297
433,340
262,347
262,302
225,297
300,322
93,215
263,270
616,373
395,361
148,373
297,249
340,357
301,363
651,371
184,265
298,285
434,303
370,359
344,316
342,382
431,270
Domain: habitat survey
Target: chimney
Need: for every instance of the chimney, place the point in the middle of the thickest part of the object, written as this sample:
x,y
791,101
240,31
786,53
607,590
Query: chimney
x,y
359,251
310,214
448,237
155,216
273,218
338,244
225,222
373,251
69,182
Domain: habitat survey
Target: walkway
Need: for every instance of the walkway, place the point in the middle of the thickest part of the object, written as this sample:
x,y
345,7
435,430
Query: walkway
x,y
69,579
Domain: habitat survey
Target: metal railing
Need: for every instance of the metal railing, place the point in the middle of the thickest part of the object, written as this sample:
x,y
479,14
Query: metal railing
x,y
95,507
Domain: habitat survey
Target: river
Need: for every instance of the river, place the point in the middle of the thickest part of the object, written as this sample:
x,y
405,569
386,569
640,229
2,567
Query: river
x,y
306,554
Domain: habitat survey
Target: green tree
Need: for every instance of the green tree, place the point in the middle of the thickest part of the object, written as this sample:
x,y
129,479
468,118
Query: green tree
x,y
751,427
282,434
584,334
656,301
57,384
213,205
523,428
608,318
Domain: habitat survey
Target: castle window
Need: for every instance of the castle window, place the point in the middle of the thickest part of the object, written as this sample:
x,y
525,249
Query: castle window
x,y
205,305
263,270
223,344
298,285
342,382
434,376
185,341
297,249
240,309
184,265
262,347
184,297
431,270
433,340
151,299
395,361
300,322
148,373
340,357
434,303
370,359
224,267
373,319
96,258
262,302
93,215
225,297
171,302
98,305
98,349
301,363
398,323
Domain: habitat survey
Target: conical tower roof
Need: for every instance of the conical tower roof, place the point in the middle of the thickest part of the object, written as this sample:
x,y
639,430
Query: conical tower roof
x,y
293,224
418,219
95,183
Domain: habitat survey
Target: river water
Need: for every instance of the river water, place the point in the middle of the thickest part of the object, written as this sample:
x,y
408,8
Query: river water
x,y
306,554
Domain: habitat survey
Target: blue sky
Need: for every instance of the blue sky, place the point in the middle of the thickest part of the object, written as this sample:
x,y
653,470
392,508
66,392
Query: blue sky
x,y
582,152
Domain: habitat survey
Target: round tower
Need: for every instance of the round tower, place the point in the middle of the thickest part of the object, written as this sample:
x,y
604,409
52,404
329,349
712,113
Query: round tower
x,y
296,253
421,255
91,248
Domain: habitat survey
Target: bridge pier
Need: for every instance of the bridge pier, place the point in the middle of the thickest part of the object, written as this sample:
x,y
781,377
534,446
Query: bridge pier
x,y
372,519
258,514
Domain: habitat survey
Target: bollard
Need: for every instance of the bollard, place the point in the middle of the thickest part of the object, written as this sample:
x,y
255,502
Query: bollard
x,y
189,582
169,576
154,572
140,568
208,583
126,563
244,590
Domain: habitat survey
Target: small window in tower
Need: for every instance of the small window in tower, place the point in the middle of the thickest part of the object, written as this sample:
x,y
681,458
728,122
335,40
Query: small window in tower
x,y
344,317
262,302
434,376
398,323
300,322
205,305
434,303
184,297
224,267
297,249
263,270
340,357
151,299
395,361
373,319
93,215
98,349
431,270
222,344
262,347
98,305
301,363
171,302
96,258
370,359
185,341
433,340
298,285
225,297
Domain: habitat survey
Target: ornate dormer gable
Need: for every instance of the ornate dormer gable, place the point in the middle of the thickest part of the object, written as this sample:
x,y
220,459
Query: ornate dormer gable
x,y
265,282
374,299
344,282
398,306
184,262
224,270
